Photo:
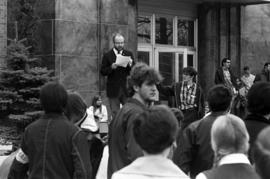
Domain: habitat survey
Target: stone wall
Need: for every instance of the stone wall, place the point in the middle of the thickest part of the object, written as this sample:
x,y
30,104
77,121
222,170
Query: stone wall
x,y
3,31
73,36
255,36
219,37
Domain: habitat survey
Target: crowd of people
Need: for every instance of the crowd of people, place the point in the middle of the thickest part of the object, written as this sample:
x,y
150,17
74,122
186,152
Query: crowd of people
x,y
146,139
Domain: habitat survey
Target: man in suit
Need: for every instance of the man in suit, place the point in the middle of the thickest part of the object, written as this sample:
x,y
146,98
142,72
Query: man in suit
x,y
116,73
225,76
264,75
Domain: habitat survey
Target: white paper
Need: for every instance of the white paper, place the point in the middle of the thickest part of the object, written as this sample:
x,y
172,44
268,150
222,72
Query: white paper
x,y
123,61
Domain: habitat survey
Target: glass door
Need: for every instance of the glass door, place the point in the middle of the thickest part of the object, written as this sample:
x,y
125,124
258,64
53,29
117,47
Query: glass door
x,y
145,55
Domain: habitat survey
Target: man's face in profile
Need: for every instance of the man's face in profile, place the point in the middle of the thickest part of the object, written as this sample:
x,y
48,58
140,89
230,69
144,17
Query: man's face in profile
x,y
227,64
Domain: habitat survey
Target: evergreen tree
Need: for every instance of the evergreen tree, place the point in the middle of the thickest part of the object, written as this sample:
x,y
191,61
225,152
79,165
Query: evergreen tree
x,y
20,83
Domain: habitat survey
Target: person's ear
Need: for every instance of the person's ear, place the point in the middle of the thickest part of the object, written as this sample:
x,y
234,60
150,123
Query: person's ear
x,y
136,88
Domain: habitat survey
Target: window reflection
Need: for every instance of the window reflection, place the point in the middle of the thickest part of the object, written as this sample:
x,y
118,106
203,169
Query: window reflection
x,y
164,30
144,29
185,32
166,67
143,57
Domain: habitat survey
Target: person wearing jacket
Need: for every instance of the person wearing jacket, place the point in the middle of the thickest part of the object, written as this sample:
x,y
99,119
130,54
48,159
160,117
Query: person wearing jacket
x,y
116,73
188,96
259,111
52,147
76,111
229,141
123,148
225,76
264,76
262,153
155,131
194,153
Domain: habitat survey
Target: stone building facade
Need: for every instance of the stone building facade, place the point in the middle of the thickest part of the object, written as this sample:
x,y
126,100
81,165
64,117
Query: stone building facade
x,y
3,31
73,35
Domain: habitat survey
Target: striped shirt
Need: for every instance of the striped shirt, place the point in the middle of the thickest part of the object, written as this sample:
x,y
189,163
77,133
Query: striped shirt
x,y
187,96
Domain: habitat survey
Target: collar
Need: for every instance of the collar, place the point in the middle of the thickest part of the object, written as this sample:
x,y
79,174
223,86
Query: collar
x,y
234,158
116,52
136,101
225,69
153,165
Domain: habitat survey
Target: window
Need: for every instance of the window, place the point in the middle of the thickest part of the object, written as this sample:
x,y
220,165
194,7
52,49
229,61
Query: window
x,y
144,29
164,30
167,43
185,32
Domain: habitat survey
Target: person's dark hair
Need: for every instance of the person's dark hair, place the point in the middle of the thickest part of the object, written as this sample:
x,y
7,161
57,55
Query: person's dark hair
x,y
141,73
266,64
258,98
53,97
219,98
246,68
190,71
76,107
95,99
224,60
155,129
262,153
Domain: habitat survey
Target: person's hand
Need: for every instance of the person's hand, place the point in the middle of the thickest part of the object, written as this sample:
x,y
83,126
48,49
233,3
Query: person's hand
x,y
130,62
114,66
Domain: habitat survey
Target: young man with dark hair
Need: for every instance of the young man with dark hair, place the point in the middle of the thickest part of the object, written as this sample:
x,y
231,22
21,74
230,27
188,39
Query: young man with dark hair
x,y
264,76
155,131
116,74
225,76
188,96
194,152
122,146
52,147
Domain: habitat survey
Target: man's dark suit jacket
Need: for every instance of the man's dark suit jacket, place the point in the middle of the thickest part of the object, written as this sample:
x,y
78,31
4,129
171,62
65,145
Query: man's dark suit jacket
x,y
116,78
219,77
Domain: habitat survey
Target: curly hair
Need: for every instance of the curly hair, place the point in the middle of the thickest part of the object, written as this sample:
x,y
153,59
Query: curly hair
x,y
141,73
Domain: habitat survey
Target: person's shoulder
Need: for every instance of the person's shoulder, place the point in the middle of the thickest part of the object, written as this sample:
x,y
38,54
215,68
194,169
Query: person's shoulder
x,y
195,124
91,108
109,52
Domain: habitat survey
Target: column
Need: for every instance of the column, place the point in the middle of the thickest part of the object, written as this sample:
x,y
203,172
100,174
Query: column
x,y
3,32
